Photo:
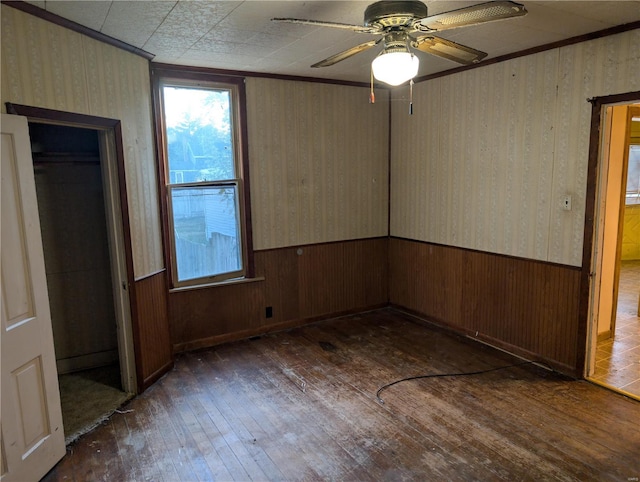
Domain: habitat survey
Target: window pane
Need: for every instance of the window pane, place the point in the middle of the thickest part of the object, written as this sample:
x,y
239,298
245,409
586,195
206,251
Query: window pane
x,y
199,134
207,238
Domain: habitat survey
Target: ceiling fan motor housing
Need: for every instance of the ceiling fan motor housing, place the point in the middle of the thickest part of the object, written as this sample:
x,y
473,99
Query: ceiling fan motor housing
x,y
389,14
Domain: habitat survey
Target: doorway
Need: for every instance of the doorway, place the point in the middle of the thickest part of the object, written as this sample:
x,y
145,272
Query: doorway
x,y
75,237
614,346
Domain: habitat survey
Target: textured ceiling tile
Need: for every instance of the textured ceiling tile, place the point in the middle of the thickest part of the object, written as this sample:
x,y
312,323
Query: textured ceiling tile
x,y
550,19
190,20
210,33
90,14
135,22
601,11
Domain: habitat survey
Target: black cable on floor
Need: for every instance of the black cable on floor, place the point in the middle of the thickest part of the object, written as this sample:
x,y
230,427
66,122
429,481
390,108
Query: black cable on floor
x,y
461,374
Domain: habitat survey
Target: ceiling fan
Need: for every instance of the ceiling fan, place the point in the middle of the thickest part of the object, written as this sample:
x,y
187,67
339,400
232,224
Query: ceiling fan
x,y
405,25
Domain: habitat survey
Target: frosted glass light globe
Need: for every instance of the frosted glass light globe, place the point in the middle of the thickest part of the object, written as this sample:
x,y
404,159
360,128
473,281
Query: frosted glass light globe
x,y
395,68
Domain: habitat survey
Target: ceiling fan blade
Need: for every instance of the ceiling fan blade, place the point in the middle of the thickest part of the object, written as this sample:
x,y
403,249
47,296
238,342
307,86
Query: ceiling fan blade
x,y
321,23
448,50
334,59
484,12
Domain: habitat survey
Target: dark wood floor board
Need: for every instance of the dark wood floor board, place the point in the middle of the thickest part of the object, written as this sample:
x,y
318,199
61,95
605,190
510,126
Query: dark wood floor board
x,y
191,417
239,412
120,432
332,454
550,411
230,462
577,433
510,428
544,429
147,418
545,410
447,434
109,456
370,432
295,438
266,401
448,438
229,435
131,438
326,415
170,413
510,446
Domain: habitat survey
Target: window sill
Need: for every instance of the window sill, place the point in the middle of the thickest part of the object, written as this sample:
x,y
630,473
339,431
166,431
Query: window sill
x,y
227,282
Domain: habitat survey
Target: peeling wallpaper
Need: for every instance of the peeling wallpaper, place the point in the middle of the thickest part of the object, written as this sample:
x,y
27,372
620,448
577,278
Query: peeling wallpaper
x,y
318,163
489,154
45,65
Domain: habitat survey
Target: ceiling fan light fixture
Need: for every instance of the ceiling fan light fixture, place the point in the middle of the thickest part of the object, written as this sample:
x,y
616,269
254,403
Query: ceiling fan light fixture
x,y
395,68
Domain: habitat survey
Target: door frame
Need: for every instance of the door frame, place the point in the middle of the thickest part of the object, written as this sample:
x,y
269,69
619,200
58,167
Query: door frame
x,y
118,226
591,254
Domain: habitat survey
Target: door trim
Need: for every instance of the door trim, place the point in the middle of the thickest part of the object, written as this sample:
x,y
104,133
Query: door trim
x,y
112,152
586,276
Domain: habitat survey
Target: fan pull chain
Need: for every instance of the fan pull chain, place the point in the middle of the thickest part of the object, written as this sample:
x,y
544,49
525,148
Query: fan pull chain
x,y
372,96
411,97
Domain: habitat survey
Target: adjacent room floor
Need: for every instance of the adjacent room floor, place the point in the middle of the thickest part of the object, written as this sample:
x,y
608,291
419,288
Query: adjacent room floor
x,y
302,405
618,358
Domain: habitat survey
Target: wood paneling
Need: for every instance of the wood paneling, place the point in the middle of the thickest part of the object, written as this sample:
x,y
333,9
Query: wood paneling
x,y
300,284
153,343
527,307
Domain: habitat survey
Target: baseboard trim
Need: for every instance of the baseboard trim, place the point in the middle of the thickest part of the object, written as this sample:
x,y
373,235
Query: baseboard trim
x,y
210,341
155,376
84,362
492,342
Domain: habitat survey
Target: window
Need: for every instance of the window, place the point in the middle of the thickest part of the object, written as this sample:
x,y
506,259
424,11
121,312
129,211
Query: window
x,y
204,180
633,176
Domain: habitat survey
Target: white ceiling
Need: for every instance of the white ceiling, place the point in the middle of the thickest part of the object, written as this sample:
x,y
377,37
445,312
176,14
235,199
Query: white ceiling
x,y
239,35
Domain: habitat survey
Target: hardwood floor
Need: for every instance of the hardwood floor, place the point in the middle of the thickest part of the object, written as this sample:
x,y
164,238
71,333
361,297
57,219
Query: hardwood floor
x,y
301,405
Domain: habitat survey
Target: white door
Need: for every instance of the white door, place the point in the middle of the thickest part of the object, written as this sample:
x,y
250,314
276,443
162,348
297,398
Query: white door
x,y
31,419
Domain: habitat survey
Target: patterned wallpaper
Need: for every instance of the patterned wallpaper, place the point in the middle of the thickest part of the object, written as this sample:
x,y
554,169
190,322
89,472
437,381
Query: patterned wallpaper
x,y
489,154
44,65
318,162
483,163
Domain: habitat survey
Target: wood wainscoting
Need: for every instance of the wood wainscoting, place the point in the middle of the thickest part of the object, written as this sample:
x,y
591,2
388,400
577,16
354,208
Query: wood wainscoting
x,y
300,284
527,307
153,352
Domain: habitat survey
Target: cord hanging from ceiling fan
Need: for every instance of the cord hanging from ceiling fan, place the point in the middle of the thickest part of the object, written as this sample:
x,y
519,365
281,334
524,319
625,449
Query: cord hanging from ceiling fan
x,y
411,97
404,26
372,95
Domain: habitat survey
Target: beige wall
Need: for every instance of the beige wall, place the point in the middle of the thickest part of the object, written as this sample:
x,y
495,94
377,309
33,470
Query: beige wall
x,y
489,154
319,168
613,157
44,65
318,152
